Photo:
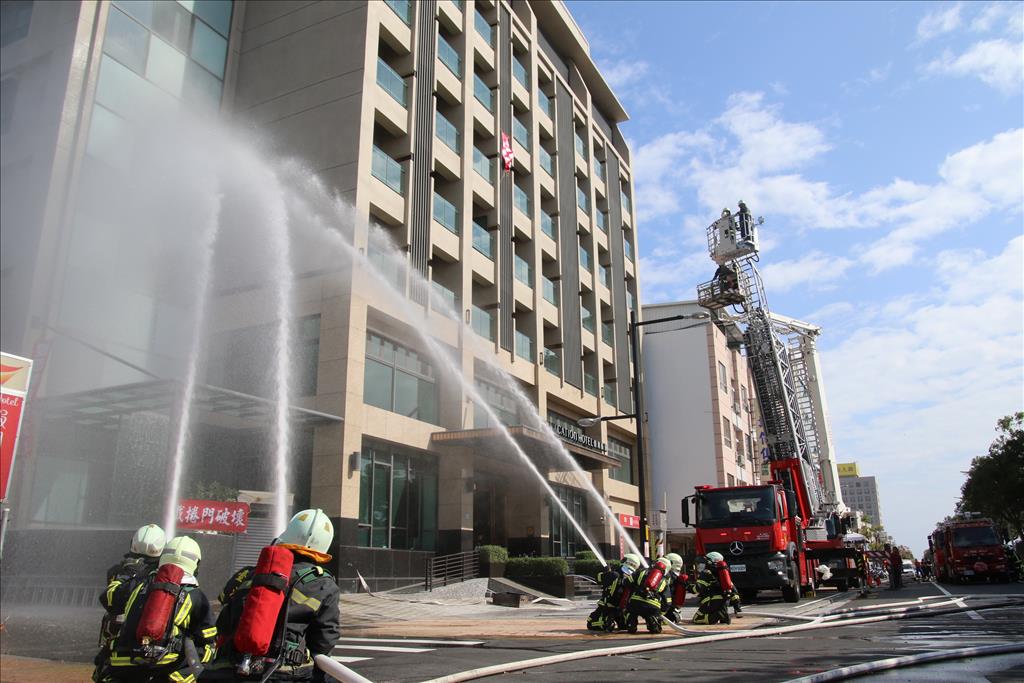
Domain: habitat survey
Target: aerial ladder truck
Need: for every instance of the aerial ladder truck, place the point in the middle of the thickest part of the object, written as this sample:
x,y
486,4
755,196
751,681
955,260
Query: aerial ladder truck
x,y
773,535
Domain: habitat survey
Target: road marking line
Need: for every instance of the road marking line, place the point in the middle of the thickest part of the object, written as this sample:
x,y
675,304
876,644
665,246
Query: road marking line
x,y
349,660
959,601
383,648
417,641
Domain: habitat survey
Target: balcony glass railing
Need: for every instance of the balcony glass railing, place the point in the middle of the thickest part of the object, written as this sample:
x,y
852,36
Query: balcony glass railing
x,y
545,103
547,225
609,393
446,214
524,347
627,247
550,290
446,295
599,168
581,146
587,318
608,333
460,4
630,301
520,73
387,170
553,361
484,28
584,258
627,205
523,271
582,200
590,383
446,132
601,218
483,323
394,84
483,240
521,133
546,161
604,275
403,8
482,93
483,165
520,199
449,56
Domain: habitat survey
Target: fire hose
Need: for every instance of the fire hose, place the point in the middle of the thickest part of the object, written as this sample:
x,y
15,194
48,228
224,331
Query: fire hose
x,y
346,675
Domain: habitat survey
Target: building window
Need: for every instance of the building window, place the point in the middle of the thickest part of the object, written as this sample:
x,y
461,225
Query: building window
x,y
232,365
624,452
15,18
723,377
743,398
565,540
397,500
399,379
730,479
503,404
726,431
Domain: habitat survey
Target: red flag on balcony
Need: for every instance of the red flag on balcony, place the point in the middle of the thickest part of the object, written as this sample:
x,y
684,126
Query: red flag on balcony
x,y
507,155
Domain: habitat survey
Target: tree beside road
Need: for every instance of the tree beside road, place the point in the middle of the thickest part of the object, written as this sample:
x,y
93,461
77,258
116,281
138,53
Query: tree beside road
x,y
995,480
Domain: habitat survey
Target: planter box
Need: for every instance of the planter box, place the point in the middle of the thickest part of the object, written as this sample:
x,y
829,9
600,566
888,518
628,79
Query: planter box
x,y
558,586
509,599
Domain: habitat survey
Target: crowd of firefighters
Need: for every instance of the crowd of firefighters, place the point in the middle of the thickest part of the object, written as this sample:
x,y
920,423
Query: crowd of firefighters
x,y
275,617
630,592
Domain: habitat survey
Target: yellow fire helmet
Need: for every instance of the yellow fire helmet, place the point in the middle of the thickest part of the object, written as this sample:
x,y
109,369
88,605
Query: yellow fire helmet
x,y
183,552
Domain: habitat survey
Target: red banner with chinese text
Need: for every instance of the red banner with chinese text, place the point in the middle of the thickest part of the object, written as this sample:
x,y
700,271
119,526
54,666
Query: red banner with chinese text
x,y
213,515
629,521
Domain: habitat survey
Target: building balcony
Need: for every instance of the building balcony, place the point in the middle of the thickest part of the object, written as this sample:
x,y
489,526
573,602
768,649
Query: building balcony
x,y
395,18
450,13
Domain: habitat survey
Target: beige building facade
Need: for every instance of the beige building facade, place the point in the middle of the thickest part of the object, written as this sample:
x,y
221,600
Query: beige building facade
x,y
524,278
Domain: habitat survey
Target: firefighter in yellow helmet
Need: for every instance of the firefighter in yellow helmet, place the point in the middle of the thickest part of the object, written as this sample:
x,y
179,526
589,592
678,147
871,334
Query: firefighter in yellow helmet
x,y
313,623
614,583
189,633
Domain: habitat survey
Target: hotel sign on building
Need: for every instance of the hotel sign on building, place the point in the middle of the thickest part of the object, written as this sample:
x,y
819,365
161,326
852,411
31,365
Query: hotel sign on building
x,y
567,431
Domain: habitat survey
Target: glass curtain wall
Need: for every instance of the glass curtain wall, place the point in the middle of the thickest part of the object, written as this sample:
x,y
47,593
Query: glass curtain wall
x,y
397,499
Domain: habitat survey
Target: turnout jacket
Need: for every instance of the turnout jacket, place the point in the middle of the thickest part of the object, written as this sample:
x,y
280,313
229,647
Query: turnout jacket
x,y
313,624
133,570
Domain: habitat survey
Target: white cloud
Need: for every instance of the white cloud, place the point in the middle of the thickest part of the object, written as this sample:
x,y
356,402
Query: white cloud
x,y
875,75
815,270
1005,15
998,63
939,22
624,73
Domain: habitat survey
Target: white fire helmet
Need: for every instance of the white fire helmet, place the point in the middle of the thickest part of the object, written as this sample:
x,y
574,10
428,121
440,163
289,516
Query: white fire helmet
x,y
311,529
149,540
714,557
183,552
631,562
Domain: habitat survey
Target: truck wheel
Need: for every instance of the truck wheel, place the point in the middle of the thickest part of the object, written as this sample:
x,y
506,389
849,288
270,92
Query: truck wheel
x,y
791,593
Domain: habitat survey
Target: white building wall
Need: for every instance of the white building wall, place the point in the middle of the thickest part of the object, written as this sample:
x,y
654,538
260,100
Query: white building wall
x,y
677,396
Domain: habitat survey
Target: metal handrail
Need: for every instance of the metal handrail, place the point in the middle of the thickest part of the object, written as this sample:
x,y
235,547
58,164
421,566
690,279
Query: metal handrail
x,y
454,568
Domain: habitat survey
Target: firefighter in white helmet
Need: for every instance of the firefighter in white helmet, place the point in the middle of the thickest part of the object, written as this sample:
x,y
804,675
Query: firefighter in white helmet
x,y
614,582
714,590
313,617
138,563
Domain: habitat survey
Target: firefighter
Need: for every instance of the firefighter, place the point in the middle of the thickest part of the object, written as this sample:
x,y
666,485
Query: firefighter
x,y
190,633
311,625
136,565
648,594
613,584
714,590
675,592
746,222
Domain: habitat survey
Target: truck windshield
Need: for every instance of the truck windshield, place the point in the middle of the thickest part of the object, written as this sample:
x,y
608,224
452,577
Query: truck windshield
x,y
967,536
736,507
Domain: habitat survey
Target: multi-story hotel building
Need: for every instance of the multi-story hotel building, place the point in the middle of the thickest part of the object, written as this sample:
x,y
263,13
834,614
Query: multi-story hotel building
x,y
703,415
400,109
860,493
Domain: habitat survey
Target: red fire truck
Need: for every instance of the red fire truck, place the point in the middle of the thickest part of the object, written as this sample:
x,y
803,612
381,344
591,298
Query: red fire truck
x,y
774,535
968,549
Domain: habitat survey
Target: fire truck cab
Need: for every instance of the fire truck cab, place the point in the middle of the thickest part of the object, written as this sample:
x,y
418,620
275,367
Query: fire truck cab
x,y
968,549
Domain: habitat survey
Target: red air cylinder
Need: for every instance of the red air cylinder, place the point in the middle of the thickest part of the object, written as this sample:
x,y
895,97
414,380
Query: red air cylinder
x,y
159,608
654,576
263,604
679,591
724,577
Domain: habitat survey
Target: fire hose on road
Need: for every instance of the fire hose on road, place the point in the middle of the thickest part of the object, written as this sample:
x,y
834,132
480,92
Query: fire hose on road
x,y
346,675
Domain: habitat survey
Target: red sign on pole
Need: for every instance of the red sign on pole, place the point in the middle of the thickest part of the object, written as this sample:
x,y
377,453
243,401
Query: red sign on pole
x,y
14,379
629,521
213,515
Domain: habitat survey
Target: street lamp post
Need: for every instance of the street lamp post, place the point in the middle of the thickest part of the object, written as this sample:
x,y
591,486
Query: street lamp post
x,y
638,412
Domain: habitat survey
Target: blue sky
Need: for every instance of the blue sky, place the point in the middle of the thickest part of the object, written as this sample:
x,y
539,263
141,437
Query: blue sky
x,y
882,143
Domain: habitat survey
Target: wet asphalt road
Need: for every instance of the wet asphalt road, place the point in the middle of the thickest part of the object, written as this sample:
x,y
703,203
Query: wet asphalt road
x,y
775,658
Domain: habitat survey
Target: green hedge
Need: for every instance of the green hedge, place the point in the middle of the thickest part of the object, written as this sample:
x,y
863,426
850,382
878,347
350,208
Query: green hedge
x,y
536,567
585,555
491,554
592,568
